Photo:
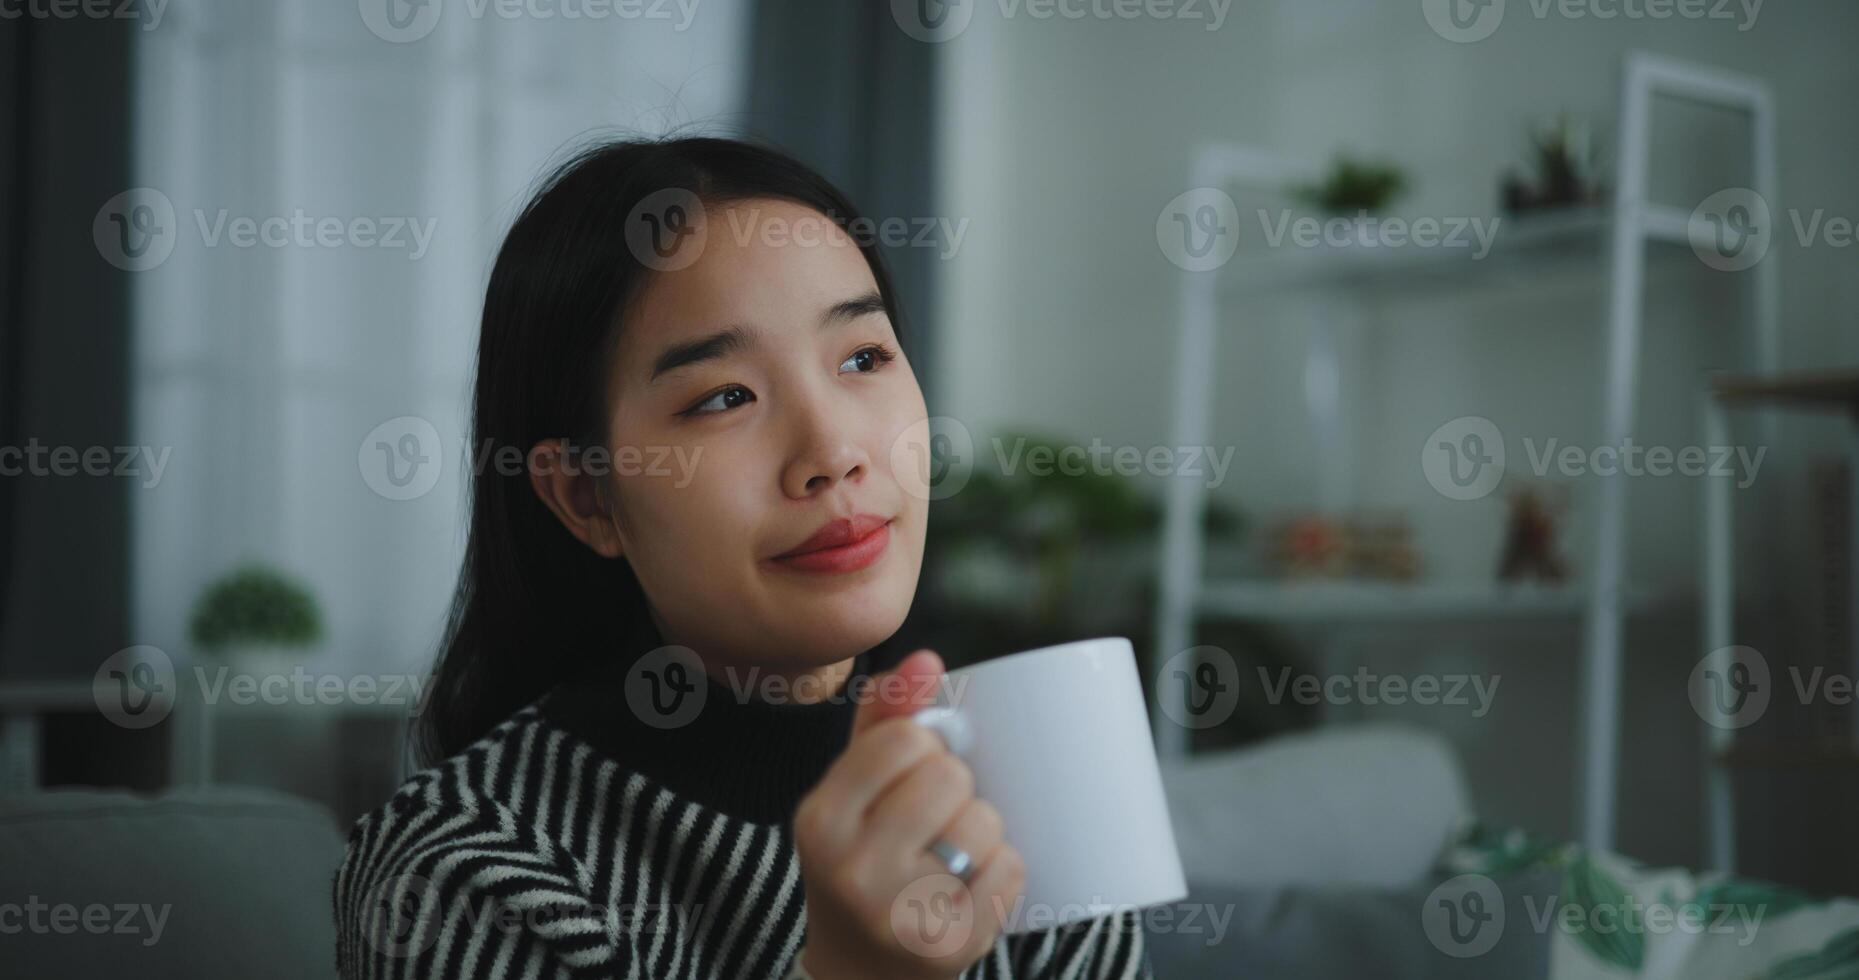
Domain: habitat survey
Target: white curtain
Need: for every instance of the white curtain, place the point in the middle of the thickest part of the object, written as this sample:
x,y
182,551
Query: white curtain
x,y
290,320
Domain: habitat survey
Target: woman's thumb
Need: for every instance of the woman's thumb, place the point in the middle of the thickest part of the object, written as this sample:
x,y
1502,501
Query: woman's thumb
x,y
905,689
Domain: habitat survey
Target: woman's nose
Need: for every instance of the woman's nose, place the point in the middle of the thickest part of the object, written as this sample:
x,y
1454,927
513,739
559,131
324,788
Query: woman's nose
x,y
828,452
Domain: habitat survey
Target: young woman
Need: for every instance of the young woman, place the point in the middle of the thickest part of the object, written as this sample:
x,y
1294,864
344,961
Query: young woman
x,y
664,748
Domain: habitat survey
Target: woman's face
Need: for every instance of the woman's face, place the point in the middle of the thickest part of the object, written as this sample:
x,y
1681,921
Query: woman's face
x,y
761,443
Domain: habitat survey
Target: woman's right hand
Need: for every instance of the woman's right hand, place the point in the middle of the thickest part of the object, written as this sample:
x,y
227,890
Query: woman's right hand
x,y
879,904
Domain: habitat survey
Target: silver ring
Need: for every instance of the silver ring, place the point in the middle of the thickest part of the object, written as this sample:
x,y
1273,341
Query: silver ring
x,y
954,858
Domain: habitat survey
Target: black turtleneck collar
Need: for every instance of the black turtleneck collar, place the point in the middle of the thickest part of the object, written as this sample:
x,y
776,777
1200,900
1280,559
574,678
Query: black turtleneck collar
x,y
738,753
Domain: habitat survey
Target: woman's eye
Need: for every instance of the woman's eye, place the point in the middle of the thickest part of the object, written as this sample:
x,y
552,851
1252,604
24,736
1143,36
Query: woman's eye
x,y
722,400
869,359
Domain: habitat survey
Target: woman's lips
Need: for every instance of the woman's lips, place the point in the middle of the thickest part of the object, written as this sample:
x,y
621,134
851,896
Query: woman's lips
x,y
843,558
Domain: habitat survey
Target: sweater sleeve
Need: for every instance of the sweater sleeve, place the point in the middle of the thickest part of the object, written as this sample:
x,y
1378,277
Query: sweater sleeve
x,y
1110,947
473,903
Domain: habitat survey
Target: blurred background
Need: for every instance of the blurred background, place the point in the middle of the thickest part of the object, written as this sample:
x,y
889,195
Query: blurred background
x,y
1452,399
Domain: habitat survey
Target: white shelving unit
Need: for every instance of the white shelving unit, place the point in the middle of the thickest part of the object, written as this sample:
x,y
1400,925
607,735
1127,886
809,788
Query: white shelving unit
x,y
1824,391
1619,236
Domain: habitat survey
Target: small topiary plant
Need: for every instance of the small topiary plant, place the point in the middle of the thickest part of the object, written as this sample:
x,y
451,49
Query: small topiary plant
x,y
255,605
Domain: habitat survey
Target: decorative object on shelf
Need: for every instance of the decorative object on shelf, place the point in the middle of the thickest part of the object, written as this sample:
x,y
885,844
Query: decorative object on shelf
x,y
1311,546
1369,545
1039,554
256,615
1382,547
1530,537
1353,187
1565,170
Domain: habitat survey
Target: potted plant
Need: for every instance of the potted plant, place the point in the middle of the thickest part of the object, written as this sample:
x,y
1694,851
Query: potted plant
x,y
256,618
1354,187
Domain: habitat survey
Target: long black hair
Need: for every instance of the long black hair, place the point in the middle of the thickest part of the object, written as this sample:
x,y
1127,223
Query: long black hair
x,y
533,603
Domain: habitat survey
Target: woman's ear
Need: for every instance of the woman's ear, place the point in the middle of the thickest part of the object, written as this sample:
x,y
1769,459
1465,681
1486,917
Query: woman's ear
x,y
574,497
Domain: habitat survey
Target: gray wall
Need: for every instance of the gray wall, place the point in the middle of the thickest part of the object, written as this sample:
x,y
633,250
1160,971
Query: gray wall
x,y
1064,139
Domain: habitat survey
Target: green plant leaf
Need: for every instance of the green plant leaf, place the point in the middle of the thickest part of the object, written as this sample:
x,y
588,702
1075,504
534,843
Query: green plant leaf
x,y
1622,943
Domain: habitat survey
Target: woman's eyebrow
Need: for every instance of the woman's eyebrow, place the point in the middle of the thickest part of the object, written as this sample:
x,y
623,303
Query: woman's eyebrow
x,y
737,337
852,309
726,341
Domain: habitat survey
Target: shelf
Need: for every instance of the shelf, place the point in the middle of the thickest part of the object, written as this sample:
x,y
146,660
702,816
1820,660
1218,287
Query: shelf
x,y
1523,245
1346,601
1805,754
1831,389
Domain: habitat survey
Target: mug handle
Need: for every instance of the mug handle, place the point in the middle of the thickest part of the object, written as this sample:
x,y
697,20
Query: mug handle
x,y
947,722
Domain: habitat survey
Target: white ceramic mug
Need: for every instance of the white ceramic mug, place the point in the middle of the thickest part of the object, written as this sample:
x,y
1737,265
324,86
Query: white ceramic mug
x,y
1058,740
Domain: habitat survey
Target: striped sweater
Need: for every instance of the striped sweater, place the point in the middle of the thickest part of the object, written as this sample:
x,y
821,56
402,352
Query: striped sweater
x,y
574,840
